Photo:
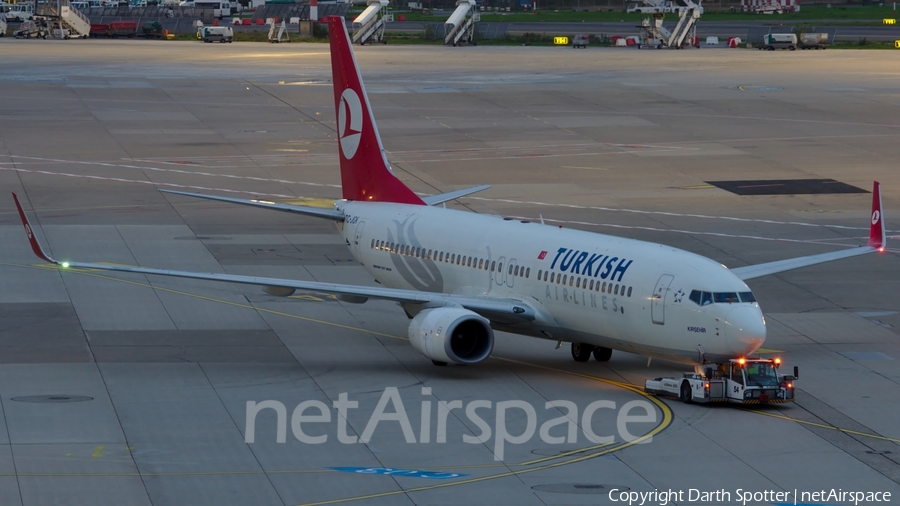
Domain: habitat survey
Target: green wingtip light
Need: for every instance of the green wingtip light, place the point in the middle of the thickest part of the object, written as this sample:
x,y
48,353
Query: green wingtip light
x,y
65,265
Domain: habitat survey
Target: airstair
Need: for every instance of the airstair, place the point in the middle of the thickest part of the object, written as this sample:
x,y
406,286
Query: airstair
x,y
460,26
654,34
278,33
63,20
368,27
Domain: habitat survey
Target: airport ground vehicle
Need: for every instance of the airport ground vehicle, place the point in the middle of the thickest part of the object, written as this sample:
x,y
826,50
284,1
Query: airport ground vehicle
x,y
98,31
122,29
152,30
29,30
18,13
813,41
773,41
581,40
740,381
220,8
3,26
215,34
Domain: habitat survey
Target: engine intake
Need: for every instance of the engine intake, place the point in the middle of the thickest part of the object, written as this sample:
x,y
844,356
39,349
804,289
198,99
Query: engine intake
x,y
448,334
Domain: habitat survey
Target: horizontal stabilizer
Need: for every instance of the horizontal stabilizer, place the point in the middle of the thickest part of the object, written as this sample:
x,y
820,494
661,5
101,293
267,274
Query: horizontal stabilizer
x,y
330,214
433,200
877,241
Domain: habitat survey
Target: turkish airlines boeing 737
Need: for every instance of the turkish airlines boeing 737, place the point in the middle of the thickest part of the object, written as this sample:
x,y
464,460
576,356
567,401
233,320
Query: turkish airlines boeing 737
x,y
461,275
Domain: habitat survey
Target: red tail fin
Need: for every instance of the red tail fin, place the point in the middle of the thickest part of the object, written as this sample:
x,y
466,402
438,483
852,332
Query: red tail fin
x,y
876,231
365,173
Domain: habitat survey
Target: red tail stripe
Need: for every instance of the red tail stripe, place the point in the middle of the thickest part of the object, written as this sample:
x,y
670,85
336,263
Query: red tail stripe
x,y
365,173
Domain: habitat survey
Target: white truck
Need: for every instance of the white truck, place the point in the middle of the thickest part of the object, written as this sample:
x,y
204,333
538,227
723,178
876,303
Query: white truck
x,y
740,381
18,13
773,41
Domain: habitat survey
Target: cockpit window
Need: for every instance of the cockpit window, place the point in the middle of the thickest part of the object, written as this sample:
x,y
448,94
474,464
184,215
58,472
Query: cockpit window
x,y
727,297
706,298
695,296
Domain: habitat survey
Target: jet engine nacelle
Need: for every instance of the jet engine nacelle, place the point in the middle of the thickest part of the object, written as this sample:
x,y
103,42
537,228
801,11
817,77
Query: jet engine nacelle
x,y
449,334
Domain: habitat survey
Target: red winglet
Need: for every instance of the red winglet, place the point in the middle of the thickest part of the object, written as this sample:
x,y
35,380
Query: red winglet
x,y
365,173
877,236
35,245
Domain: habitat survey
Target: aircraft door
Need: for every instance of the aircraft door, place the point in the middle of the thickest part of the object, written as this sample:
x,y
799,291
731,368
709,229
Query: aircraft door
x,y
658,304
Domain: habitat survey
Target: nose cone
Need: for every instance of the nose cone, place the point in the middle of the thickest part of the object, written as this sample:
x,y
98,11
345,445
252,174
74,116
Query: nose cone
x,y
745,329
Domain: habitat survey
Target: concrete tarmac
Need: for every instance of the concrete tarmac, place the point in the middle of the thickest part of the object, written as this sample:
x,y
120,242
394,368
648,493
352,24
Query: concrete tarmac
x,y
125,389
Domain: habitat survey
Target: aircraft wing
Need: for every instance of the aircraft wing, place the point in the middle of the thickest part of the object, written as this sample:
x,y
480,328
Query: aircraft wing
x,y
330,214
502,310
877,240
433,200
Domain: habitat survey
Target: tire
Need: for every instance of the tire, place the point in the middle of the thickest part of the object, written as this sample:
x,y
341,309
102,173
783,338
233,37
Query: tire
x,y
686,396
792,48
581,352
439,363
602,354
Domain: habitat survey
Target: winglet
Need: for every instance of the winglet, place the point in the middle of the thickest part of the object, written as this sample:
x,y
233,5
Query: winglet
x,y
877,237
35,245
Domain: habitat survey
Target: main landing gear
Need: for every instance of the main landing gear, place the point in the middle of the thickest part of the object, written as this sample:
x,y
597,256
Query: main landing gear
x,y
581,352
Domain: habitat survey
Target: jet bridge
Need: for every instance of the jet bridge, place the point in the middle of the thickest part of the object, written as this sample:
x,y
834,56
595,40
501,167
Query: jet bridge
x,y
369,25
460,26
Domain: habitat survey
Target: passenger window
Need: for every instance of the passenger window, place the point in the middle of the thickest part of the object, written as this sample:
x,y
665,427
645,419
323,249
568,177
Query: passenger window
x,y
493,265
527,272
592,285
516,271
552,277
629,291
572,281
480,263
500,267
540,274
578,283
604,287
564,279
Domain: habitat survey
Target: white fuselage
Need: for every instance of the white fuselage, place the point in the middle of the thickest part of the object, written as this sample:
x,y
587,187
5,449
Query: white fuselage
x,y
590,288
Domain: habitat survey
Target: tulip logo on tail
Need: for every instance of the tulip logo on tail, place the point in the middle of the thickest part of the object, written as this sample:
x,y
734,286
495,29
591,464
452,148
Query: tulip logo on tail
x,y
350,121
28,231
875,217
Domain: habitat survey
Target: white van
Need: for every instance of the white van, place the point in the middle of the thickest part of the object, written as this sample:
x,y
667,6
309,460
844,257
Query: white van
x,y
18,12
221,8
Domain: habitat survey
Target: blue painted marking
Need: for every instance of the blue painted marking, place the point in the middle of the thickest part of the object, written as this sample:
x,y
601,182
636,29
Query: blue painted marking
x,y
388,471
